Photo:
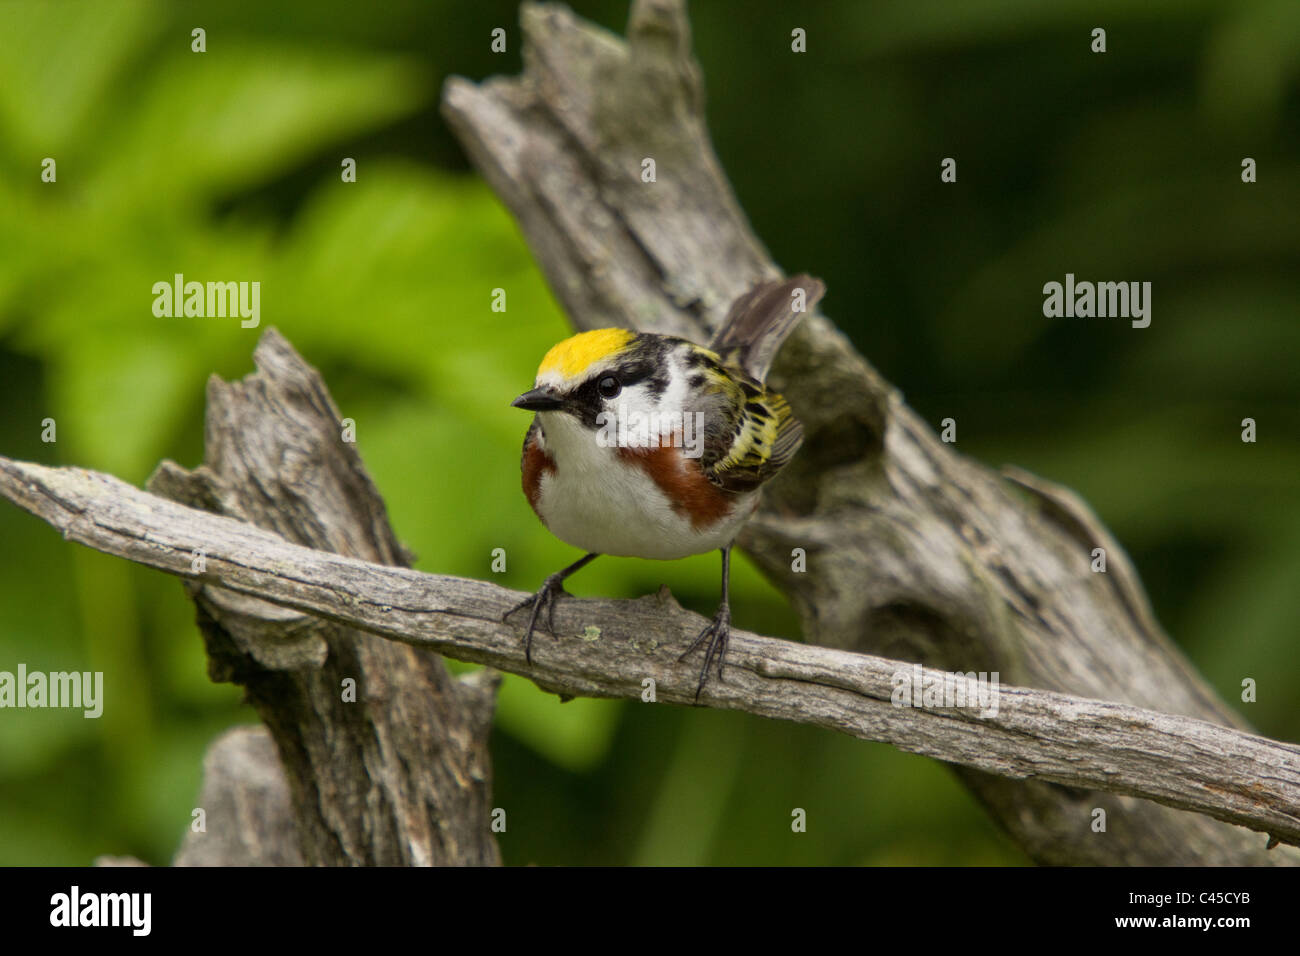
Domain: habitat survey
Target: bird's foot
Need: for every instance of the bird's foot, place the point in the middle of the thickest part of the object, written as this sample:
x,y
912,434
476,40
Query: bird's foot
x,y
545,598
716,633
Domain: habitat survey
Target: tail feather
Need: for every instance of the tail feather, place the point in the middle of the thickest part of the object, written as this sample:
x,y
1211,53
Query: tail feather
x,y
760,320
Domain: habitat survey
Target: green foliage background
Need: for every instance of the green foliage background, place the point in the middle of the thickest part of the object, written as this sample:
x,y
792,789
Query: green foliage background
x,y
226,165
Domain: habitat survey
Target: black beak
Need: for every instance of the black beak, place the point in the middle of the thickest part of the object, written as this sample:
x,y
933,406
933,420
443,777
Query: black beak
x,y
539,400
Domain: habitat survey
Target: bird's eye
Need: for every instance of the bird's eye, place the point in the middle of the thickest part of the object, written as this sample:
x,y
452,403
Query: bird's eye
x,y
609,386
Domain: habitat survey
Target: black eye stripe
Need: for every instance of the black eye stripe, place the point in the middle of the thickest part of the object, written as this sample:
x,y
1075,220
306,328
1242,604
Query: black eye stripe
x,y
655,376
646,365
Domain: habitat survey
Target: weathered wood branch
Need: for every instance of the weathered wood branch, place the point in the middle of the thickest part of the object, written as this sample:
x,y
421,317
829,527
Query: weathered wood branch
x,y
397,772
914,551
610,648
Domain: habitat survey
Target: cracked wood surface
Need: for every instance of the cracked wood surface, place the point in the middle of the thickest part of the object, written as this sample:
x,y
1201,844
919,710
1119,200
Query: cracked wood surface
x,y
401,774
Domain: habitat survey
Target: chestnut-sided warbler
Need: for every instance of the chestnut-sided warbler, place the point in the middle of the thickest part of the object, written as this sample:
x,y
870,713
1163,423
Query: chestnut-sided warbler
x,y
651,446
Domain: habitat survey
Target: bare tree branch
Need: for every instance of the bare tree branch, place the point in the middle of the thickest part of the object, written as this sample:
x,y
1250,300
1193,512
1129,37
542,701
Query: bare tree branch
x,y
611,648
914,551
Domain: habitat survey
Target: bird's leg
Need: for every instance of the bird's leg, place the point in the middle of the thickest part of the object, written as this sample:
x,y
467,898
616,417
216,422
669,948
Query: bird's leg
x,y
717,632
546,597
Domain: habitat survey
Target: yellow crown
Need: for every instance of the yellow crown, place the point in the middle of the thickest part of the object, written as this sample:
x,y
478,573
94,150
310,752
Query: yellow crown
x,y
575,355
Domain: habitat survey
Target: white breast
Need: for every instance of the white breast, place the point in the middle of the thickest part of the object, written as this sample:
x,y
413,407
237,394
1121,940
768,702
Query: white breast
x,y
596,501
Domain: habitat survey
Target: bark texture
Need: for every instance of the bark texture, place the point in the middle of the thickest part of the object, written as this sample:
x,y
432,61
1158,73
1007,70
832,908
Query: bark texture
x,y
385,753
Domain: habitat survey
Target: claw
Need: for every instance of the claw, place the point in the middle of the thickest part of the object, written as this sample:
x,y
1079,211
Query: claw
x,y
717,633
546,597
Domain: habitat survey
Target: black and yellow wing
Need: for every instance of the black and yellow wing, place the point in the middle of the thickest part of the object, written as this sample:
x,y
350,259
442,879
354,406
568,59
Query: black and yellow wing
x,y
764,434
764,437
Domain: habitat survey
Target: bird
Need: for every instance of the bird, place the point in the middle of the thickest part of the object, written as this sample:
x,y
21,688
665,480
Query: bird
x,y
652,446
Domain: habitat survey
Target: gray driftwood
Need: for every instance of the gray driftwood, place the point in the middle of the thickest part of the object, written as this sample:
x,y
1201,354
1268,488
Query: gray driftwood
x,y
622,648
913,550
